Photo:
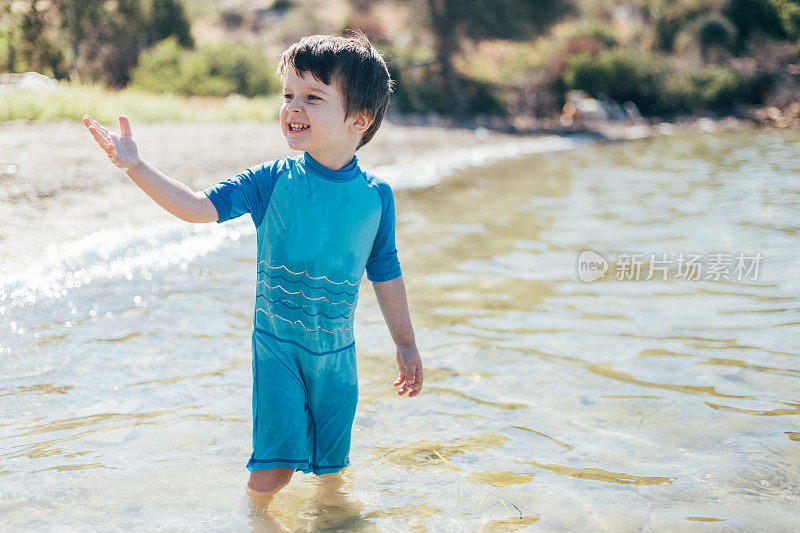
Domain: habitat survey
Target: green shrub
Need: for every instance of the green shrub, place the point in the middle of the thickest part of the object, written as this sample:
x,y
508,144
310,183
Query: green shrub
x,y
621,74
715,88
247,66
217,70
652,83
159,68
428,92
596,29
789,15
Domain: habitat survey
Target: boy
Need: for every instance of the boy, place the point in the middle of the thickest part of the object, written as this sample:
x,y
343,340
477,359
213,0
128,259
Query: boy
x,y
321,221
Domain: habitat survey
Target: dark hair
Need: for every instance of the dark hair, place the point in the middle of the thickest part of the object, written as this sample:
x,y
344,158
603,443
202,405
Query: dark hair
x,y
357,68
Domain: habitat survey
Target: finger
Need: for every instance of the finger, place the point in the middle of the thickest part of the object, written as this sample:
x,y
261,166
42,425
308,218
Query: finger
x,y
102,129
108,138
124,126
416,387
401,381
98,137
411,373
105,132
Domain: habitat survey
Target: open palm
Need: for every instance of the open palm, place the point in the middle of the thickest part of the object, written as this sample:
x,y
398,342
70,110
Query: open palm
x,y
120,149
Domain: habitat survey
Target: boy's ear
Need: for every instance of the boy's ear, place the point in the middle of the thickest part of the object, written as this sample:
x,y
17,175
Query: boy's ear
x,y
362,120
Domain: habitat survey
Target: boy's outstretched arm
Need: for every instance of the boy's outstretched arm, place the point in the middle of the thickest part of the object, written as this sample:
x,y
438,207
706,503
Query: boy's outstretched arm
x,y
172,195
394,306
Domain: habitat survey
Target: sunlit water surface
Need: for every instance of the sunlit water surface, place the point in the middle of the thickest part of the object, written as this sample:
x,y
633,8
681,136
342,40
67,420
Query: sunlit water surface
x,y
549,402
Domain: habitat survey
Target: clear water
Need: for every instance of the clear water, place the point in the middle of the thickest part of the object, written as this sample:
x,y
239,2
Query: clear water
x,y
549,402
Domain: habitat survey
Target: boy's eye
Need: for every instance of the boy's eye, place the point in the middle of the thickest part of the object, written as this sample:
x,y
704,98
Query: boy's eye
x,y
310,97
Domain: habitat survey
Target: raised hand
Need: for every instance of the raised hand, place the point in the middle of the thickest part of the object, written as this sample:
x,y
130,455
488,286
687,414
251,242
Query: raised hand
x,y
121,149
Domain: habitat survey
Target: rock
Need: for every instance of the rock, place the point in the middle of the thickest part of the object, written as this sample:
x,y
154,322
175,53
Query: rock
x,y
29,82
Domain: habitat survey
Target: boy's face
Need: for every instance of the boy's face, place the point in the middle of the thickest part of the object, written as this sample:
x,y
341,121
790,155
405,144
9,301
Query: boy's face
x,y
326,134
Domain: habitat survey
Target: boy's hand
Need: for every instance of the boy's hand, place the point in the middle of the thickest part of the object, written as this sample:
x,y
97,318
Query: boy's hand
x,y
121,150
410,365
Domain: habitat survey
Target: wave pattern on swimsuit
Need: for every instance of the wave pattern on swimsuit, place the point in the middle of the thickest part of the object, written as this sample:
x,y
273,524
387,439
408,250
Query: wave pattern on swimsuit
x,y
282,278
315,303
284,267
288,303
304,295
300,322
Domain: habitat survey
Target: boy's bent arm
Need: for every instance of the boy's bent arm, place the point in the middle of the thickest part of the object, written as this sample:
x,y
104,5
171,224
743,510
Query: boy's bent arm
x,y
392,300
172,195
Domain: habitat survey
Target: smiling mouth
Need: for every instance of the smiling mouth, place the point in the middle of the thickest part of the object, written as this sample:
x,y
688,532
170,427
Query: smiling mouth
x,y
298,127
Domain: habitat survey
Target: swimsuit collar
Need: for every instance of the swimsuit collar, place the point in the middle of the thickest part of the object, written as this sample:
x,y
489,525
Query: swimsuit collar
x,y
346,173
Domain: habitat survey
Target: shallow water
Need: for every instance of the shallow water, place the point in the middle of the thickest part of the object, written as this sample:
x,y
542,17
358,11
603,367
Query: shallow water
x,y
549,402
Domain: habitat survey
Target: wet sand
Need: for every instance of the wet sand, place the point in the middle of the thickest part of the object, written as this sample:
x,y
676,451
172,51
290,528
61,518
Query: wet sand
x,y
57,185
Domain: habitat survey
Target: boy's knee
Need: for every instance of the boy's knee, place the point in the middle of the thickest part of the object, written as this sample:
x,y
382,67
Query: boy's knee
x,y
270,480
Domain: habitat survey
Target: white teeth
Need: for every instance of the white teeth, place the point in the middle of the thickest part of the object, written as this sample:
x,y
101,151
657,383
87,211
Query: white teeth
x,y
293,126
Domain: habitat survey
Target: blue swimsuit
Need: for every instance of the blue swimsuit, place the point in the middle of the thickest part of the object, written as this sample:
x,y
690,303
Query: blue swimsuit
x,y
317,230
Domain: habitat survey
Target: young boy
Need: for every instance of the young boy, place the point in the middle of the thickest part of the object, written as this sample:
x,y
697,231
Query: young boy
x,y
321,221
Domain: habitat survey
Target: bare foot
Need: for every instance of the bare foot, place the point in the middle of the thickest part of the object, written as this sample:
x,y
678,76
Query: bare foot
x,y
330,492
259,517
338,498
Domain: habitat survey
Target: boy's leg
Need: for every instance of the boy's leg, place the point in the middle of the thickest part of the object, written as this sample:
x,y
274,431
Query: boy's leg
x,y
269,481
261,488
332,384
280,418
330,490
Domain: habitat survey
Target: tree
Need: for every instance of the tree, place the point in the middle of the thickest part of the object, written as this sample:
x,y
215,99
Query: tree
x,y
124,37
79,20
715,35
38,51
751,17
168,19
8,24
451,21
106,38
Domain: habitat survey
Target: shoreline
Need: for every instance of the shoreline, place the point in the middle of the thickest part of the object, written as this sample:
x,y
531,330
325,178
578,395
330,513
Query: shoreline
x,y
57,187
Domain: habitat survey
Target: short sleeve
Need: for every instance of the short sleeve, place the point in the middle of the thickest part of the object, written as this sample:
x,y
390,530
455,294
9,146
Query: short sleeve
x,y
383,264
247,192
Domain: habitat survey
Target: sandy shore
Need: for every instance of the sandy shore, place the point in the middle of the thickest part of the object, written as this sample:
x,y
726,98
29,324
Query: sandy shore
x,y
57,185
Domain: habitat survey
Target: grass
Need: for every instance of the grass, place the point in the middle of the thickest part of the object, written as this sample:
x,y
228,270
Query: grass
x,y
72,101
